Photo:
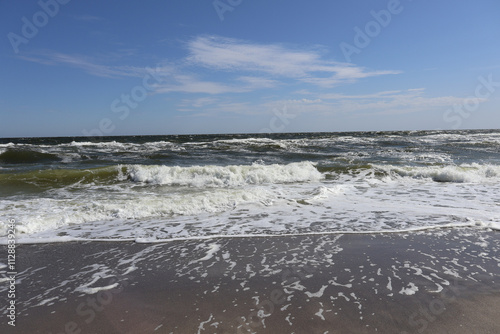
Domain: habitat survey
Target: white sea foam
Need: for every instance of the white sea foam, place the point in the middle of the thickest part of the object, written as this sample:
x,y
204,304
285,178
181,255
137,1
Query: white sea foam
x,y
465,173
317,294
213,248
256,141
494,225
397,188
94,290
361,203
112,144
224,176
52,214
410,290
323,193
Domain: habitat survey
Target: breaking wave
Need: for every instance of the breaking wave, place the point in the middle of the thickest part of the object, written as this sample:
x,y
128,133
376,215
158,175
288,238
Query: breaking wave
x,y
466,173
224,176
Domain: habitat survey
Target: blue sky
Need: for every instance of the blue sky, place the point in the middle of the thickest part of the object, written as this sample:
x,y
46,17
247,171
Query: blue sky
x,y
73,68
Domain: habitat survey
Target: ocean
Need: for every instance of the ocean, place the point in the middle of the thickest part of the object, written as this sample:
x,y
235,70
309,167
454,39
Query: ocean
x,y
185,187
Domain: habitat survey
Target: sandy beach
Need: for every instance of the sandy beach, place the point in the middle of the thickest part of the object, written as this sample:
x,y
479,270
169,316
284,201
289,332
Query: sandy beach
x,y
439,281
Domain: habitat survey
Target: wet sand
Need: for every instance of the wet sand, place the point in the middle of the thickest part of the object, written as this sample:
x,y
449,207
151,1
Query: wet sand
x,y
440,281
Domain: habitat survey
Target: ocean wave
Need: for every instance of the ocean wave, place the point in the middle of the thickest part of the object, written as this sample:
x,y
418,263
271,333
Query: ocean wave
x,y
323,193
242,144
111,144
465,173
49,213
5,147
194,176
224,176
18,156
114,147
261,142
57,178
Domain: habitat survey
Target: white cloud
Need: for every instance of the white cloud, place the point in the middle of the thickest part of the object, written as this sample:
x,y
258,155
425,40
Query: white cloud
x,y
258,83
85,63
307,66
236,67
188,83
199,102
241,67
230,54
384,94
185,83
379,103
392,102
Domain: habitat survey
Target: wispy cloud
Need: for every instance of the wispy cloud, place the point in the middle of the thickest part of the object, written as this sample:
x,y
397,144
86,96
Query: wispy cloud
x,y
185,83
84,63
235,66
374,96
178,81
216,71
257,83
392,102
199,102
307,66
379,103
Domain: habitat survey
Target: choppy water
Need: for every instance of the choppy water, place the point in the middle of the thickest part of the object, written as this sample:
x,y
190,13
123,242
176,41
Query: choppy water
x,y
150,188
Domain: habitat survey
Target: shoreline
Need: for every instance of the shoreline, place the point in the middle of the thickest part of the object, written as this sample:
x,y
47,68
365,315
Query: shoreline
x,y
437,281
489,227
